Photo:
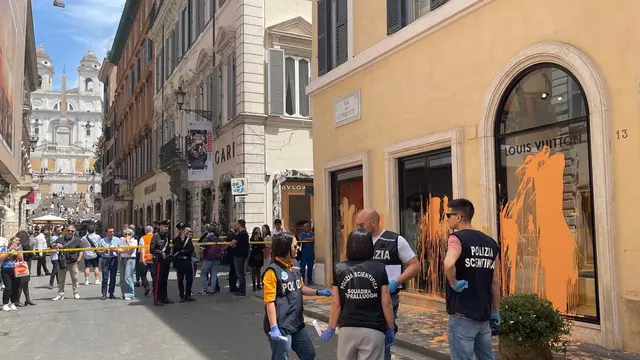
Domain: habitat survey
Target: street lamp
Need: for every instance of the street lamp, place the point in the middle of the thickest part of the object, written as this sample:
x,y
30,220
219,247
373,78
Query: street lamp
x,y
33,142
180,94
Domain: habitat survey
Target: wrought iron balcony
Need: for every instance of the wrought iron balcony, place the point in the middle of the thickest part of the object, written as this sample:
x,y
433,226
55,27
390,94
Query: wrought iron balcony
x,y
172,152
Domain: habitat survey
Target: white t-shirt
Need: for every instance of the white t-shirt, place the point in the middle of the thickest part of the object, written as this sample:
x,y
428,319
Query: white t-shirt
x,y
131,242
404,252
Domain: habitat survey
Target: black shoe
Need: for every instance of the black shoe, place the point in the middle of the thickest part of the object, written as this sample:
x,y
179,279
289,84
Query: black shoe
x,y
112,297
259,286
310,283
104,297
146,291
46,274
189,299
239,294
181,300
137,284
31,303
168,301
255,287
158,303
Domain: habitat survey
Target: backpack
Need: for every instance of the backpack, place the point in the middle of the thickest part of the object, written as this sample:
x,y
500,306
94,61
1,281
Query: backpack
x,y
213,252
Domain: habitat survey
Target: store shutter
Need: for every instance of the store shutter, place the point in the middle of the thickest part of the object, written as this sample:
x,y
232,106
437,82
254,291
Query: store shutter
x,y
342,37
323,38
394,16
437,3
276,82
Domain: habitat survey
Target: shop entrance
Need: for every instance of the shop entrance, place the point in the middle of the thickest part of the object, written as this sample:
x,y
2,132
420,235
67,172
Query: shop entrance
x,y
297,204
347,199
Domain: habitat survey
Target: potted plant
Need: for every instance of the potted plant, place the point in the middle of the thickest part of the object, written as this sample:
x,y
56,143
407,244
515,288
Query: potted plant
x,y
531,328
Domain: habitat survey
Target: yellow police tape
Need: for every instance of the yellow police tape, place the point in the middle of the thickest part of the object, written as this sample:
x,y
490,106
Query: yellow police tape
x,y
131,247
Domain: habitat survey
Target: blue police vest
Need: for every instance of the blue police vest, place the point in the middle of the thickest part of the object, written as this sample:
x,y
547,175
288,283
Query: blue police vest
x,y
288,299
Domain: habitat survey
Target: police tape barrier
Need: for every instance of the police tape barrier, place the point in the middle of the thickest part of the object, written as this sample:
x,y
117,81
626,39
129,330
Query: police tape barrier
x,y
130,247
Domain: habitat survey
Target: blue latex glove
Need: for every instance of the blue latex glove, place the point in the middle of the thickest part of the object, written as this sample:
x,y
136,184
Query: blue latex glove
x,y
324,292
393,286
327,334
275,333
389,337
460,285
495,318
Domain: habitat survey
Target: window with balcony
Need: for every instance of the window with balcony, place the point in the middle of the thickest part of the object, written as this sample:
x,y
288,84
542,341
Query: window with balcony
x,y
401,13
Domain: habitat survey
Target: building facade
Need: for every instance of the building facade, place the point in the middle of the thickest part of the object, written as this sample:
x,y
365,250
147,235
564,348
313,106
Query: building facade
x,y
67,126
18,78
132,145
242,67
532,117
105,203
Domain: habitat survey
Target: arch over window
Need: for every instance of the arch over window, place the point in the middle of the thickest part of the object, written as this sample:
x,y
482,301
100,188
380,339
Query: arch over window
x,y
545,192
88,84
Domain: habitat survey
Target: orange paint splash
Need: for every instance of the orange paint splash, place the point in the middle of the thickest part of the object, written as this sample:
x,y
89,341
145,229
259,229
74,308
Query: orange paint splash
x,y
539,251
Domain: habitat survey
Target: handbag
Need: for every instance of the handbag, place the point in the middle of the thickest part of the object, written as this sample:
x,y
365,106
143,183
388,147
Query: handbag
x,y
21,269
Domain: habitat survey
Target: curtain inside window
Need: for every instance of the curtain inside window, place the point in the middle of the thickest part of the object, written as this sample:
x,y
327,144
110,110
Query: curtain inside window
x,y
290,86
303,81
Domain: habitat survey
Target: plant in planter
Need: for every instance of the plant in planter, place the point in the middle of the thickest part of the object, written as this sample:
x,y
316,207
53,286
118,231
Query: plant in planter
x,y
531,328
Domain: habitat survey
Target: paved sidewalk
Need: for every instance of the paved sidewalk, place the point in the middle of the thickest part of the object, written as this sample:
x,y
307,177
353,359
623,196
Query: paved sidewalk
x,y
423,330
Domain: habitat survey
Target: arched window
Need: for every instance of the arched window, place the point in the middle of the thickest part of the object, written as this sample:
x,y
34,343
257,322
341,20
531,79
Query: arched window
x,y
545,194
39,81
88,84
56,106
70,107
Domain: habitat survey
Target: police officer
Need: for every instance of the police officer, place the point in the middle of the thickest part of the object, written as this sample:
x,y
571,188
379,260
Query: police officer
x,y
182,252
283,291
473,295
161,248
394,251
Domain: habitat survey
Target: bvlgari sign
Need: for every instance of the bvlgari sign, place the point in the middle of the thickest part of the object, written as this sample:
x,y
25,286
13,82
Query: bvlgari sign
x,y
347,109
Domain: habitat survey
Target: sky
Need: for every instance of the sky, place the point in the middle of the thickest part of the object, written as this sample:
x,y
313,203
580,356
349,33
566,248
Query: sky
x,y
68,33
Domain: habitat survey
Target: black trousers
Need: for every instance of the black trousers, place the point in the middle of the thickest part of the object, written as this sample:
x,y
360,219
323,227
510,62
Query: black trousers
x,y
11,287
54,272
184,272
163,266
233,276
143,269
42,264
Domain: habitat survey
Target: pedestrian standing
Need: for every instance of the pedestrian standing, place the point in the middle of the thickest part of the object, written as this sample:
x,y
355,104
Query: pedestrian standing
x,y
240,247
146,264
473,294
11,283
91,257
361,303
26,245
109,264
256,257
233,275
55,265
307,255
394,251
212,255
4,243
266,236
68,261
161,249
283,290
41,244
182,252
127,264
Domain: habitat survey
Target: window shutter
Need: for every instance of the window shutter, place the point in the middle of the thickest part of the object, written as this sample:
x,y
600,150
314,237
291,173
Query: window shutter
x,y
323,38
394,16
341,33
216,97
437,3
276,82
231,85
212,8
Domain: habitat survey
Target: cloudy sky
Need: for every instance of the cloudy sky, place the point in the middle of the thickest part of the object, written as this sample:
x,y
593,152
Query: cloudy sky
x,y
67,33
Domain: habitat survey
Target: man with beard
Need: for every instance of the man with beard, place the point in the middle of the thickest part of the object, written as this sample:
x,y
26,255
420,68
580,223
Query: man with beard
x,y
161,250
68,261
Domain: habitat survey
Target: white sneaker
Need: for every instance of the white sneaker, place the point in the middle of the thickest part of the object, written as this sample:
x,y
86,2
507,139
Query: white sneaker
x,y
86,282
98,282
13,306
76,296
6,307
127,299
59,297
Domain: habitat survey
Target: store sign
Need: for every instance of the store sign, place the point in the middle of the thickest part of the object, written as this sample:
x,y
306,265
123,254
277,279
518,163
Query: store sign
x,y
150,189
225,153
536,146
297,188
347,109
293,187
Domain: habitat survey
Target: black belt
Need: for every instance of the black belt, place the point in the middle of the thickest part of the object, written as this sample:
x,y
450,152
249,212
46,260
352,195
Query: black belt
x,y
183,257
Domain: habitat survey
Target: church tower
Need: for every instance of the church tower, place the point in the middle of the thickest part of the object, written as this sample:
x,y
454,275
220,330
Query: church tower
x,y
88,70
45,70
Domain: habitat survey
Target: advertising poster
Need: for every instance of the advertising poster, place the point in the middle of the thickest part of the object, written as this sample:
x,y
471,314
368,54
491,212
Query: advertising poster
x,y
239,186
199,151
8,36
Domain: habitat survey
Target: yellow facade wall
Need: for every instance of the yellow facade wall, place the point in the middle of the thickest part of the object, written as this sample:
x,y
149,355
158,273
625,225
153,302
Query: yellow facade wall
x,y
51,165
45,189
440,82
82,188
36,164
79,167
367,33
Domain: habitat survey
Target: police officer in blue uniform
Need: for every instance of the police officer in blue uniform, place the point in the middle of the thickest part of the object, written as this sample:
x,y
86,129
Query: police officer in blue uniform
x,y
283,291
473,295
394,252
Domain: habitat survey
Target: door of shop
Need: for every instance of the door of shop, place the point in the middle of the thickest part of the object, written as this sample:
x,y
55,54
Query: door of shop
x,y
347,188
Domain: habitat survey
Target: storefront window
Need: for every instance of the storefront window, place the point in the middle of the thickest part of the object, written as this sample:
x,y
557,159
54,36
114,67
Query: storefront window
x,y
545,197
425,188
347,200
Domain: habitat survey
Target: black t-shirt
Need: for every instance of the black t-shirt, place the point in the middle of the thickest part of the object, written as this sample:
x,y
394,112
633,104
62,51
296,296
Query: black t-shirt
x,y
360,289
242,248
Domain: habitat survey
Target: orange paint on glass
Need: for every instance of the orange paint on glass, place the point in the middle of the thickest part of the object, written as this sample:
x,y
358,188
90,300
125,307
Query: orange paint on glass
x,y
431,247
538,249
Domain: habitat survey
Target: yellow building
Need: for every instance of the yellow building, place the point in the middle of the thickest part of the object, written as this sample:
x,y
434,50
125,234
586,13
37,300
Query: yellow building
x,y
528,108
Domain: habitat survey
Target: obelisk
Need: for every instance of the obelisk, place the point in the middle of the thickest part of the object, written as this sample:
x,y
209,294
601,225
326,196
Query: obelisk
x,y
63,99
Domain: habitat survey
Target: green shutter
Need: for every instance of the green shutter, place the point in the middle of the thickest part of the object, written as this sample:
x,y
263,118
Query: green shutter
x,y
323,38
342,33
276,82
394,16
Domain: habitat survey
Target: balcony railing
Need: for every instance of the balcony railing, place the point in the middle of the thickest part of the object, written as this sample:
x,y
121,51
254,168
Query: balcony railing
x,y
172,151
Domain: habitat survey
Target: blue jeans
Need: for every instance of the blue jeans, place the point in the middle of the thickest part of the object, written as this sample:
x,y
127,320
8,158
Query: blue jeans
x,y
127,269
109,268
209,267
306,265
240,264
299,342
395,301
468,336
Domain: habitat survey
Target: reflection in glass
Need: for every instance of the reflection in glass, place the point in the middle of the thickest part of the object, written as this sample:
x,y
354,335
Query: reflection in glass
x,y
290,85
303,76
